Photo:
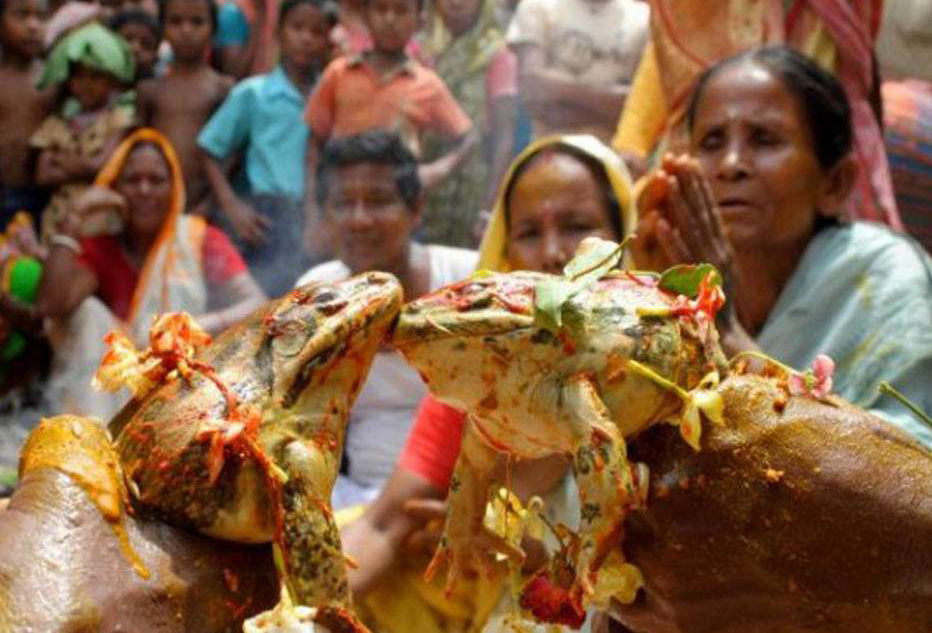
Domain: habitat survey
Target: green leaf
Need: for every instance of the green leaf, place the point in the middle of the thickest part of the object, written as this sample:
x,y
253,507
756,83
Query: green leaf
x,y
594,258
549,298
685,278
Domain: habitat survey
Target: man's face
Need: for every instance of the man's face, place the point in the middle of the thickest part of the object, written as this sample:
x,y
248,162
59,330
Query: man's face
x,y
371,223
391,23
22,25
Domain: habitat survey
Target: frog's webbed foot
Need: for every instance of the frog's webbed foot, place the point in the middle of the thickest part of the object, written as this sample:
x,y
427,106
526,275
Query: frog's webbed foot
x,y
461,547
308,553
608,487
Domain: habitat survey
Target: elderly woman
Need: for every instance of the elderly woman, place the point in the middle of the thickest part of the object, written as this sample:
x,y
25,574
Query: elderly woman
x,y
160,261
771,139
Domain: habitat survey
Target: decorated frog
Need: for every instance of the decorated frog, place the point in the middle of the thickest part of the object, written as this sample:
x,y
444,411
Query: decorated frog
x,y
570,365
240,438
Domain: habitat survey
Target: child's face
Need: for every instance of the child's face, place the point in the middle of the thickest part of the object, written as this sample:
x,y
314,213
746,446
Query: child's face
x,y
92,88
188,28
22,26
458,15
305,37
392,23
144,44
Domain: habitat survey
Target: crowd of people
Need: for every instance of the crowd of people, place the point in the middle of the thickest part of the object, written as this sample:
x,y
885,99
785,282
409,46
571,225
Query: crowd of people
x,y
204,156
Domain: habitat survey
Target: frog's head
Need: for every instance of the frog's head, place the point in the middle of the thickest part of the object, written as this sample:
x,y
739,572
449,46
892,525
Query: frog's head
x,y
320,324
467,333
289,347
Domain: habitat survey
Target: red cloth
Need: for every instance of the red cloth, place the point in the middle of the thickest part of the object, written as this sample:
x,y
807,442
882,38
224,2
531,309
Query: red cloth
x,y
116,278
434,442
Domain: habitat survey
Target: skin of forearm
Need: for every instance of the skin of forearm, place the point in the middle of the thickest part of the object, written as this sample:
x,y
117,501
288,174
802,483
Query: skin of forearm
x,y
439,170
58,296
504,118
219,184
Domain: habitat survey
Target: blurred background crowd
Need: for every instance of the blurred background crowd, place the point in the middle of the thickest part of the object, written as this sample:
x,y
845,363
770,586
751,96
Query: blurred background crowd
x,y
204,155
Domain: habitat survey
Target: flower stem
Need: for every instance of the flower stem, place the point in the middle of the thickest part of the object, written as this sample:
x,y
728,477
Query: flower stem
x,y
889,390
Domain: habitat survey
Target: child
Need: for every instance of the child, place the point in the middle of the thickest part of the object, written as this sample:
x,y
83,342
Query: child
x,y
141,31
262,119
91,64
22,105
180,103
385,88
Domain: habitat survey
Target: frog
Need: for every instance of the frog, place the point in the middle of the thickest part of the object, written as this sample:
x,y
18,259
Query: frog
x,y
240,438
618,354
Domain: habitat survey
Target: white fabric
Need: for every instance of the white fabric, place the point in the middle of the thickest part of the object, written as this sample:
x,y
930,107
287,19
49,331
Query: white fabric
x,y
175,281
384,411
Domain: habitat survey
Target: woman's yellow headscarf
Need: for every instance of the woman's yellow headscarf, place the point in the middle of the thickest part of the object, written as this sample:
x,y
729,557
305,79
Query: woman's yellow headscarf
x,y
160,257
493,250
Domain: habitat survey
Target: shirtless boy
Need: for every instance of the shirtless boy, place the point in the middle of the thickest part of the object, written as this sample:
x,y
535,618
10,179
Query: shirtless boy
x,y
181,102
22,106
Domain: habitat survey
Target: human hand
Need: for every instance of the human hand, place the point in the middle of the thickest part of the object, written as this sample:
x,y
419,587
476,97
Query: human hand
x,y
680,222
430,174
249,225
430,514
89,202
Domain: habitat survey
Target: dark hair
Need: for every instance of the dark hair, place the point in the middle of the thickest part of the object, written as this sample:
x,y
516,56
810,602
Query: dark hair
x,y
822,97
327,7
596,168
135,16
418,3
376,146
211,10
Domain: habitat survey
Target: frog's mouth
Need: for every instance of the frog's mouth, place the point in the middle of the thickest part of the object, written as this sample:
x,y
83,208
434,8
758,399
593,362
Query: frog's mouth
x,y
487,306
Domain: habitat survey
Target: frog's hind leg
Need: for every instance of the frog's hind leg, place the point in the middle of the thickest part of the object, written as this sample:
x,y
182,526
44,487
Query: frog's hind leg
x,y
310,558
608,485
461,546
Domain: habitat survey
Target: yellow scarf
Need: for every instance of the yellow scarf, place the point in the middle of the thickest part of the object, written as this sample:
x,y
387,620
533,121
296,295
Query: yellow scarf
x,y
493,249
171,277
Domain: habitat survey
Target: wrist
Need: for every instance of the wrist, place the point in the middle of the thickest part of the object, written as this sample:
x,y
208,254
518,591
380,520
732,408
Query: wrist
x,y
65,242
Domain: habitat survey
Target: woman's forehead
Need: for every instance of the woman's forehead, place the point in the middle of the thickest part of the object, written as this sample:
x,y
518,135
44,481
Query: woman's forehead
x,y
145,156
747,90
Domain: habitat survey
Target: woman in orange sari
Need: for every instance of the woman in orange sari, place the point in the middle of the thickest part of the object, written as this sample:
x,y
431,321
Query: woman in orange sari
x,y
160,261
688,37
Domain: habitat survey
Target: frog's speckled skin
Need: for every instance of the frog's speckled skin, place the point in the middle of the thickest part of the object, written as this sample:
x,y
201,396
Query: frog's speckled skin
x,y
298,362
531,392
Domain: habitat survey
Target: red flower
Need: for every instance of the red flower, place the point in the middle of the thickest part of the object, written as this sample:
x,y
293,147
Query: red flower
x,y
551,603
815,382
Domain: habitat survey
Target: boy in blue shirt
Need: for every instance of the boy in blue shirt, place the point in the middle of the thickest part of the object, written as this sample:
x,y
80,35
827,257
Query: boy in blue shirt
x,y
262,118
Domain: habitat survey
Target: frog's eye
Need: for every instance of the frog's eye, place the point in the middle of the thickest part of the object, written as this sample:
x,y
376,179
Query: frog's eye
x,y
289,337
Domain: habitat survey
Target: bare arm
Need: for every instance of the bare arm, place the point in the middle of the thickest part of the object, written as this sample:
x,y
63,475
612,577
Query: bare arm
x,y
433,173
375,539
241,294
552,96
504,120
64,285
249,225
314,242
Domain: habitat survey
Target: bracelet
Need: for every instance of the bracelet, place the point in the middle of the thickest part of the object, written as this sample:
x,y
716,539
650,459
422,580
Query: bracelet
x,y
60,239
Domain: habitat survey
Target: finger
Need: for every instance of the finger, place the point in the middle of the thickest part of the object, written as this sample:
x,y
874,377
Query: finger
x,y
682,217
701,212
425,509
671,244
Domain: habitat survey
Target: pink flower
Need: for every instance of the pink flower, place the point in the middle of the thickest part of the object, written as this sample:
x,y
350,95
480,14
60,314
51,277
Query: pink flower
x,y
815,382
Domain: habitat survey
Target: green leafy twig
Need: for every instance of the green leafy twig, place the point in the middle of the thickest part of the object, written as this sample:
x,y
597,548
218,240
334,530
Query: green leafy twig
x,y
889,390
594,258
